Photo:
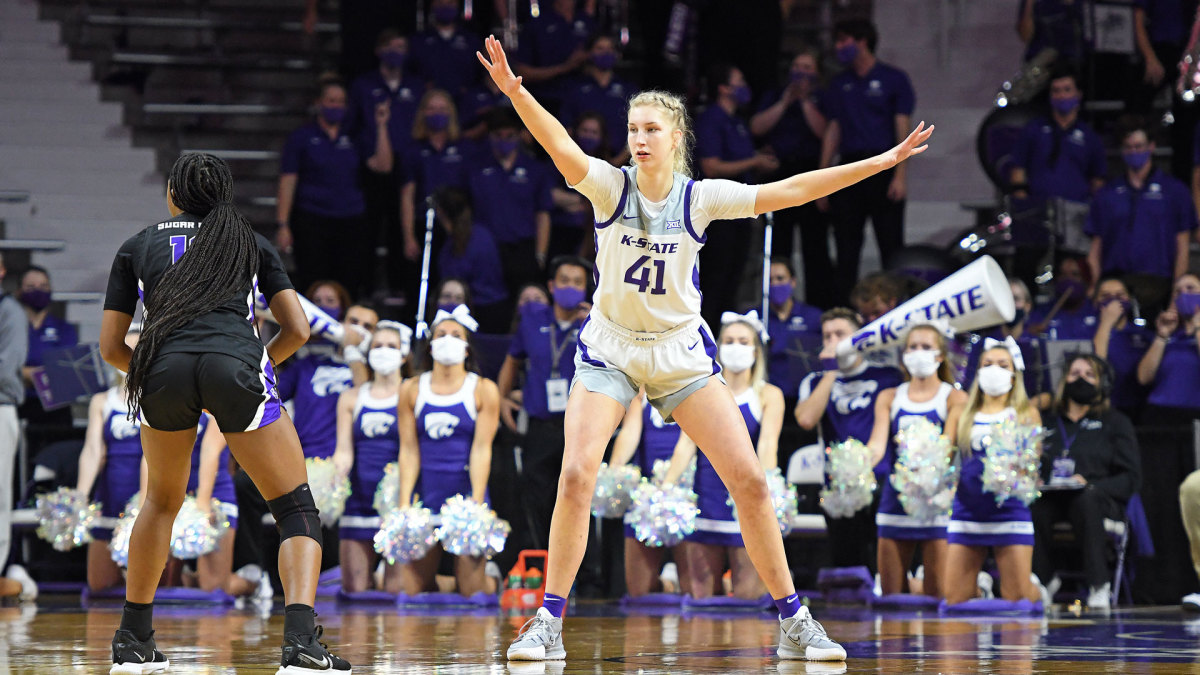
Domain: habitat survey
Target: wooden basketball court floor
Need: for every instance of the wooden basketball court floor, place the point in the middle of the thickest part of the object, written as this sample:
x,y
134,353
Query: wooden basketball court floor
x,y
59,636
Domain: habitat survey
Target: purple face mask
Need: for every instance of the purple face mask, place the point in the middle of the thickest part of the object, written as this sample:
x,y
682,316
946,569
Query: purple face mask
x,y
334,313
604,60
846,54
779,293
1065,106
437,121
829,364
568,297
800,77
1075,287
393,59
1187,304
1136,160
35,299
333,114
445,14
589,144
741,94
504,147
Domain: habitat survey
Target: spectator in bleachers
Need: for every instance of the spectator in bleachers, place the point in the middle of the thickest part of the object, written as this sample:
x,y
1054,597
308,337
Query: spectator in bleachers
x,y
14,345
444,54
841,401
469,253
1141,224
1122,343
1069,316
1162,30
601,91
869,105
331,297
511,193
543,347
552,47
787,320
1171,366
875,295
436,159
1060,155
321,210
791,123
476,103
47,331
572,217
450,293
726,150
1053,24
1091,468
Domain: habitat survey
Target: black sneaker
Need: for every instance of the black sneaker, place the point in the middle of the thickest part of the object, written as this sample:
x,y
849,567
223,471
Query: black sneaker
x,y
132,656
306,654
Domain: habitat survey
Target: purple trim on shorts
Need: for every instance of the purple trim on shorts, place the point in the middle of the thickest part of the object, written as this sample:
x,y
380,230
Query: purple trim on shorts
x,y
728,539
620,210
357,533
710,348
273,406
583,350
911,533
687,212
984,539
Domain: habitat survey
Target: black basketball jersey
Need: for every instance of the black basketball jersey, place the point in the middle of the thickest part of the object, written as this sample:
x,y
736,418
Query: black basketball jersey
x,y
230,329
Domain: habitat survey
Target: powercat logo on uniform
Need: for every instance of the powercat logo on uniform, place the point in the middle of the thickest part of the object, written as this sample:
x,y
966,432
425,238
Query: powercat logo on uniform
x,y
651,246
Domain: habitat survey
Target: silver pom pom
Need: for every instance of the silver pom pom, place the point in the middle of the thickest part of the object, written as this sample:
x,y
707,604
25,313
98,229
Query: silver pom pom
x,y
387,493
925,478
330,489
470,528
662,515
783,500
1010,468
614,485
405,535
194,532
851,479
66,518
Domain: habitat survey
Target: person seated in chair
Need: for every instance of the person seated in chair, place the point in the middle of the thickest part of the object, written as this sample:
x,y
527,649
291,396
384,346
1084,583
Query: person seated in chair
x,y
1090,470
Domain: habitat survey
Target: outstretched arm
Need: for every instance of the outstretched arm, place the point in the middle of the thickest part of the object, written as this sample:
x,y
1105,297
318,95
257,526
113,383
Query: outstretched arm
x,y
571,162
805,187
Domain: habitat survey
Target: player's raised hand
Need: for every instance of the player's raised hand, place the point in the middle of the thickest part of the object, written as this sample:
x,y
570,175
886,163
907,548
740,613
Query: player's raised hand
x,y
913,145
497,66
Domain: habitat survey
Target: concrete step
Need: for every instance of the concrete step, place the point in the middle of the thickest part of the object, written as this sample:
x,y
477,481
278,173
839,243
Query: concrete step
x,y
73,207
20,111
42,157
18,29
80,136
50,70
25,51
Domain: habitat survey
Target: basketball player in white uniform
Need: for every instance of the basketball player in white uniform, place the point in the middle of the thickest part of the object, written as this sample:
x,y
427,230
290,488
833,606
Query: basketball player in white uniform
x,y
645,330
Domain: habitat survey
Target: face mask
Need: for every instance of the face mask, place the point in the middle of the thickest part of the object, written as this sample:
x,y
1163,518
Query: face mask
x,y
504,147
801,77
449,350
36,299
393,59
1073,286
780,293
921,362
588,144
385,360
444,14
846,54
1136,160
1104,301
437,121
1064,106
1018,317
334,313
1187,304
741,94
333,114
736,358
1081,391
568,297
604,60
995,380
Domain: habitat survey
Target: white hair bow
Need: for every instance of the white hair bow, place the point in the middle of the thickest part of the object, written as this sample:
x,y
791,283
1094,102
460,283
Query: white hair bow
x,y
404,331
940,325
750,317
1013,348
460,314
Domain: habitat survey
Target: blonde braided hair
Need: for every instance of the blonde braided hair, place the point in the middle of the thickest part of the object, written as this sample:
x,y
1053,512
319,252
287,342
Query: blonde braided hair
x,y
676,111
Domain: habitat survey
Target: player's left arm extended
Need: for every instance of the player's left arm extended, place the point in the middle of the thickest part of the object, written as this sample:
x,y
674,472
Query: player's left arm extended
x,y
805,187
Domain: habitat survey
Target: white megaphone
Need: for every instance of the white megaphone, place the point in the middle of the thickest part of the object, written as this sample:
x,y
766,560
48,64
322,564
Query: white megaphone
x,y
974,297
319,322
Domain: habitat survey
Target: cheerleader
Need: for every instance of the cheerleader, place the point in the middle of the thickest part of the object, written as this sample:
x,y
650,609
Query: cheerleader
x,y
928,393
976,522
447,419
210,479
646,438
367,439
717,542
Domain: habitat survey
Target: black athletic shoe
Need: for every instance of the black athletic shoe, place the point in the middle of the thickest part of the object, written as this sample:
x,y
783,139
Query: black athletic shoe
x,y
132,656
305,654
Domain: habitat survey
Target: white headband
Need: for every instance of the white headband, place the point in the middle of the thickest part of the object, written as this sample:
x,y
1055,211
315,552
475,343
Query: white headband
x,y
750,318
404,331
460,314
1011,345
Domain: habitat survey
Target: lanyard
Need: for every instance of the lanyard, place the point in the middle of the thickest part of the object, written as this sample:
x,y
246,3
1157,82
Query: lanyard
x,y
557,349
1068,441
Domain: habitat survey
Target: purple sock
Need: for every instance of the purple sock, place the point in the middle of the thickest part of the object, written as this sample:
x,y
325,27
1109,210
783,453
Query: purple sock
x,y
789,606
554,604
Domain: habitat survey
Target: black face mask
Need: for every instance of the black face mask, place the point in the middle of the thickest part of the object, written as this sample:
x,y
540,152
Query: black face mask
x,y
1018,317
1081,391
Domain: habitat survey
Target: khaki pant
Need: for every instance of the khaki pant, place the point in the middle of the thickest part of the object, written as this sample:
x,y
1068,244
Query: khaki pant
x,y
1189,504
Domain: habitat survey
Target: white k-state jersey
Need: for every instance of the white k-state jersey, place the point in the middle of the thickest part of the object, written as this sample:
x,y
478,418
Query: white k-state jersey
x,y
647,253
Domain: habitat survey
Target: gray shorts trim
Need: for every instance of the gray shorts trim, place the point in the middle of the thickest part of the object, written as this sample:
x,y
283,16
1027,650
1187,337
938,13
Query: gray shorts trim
x,y
620,388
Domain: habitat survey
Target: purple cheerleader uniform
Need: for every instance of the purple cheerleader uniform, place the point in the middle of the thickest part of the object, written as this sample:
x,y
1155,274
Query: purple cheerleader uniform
x,y
222,489
975,519
891,520
121,475
716,525
376,443
658,442
445,431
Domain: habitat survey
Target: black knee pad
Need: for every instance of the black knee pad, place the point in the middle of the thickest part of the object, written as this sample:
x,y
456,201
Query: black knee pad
x,y
296,515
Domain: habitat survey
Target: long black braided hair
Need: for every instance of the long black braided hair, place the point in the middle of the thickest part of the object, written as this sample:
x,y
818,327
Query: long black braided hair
x,y
217,266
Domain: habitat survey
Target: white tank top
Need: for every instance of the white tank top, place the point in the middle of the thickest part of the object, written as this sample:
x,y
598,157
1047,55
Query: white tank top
x,y
903,406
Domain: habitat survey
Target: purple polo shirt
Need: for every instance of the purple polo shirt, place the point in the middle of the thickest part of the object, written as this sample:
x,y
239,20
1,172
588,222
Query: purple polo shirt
x,y
1067,324
507,202
1080,158
537,339
371,89
724,136
55,333
1138,227
550,39
326,171
431,169
475,103
612,102
448,62
791,138
851,409
1126,347
805,320
1174,385
866,108
313,381
479,266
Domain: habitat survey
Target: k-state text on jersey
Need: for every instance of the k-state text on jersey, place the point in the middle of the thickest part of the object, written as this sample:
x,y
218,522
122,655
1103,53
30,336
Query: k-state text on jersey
x,y
651,246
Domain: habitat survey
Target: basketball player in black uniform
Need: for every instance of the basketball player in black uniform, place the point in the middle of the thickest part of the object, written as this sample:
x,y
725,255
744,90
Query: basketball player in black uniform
x,y
197,274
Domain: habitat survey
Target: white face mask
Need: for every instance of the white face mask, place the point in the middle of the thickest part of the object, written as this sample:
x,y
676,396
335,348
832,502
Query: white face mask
x,y
995,380
385,360
736,357
921,362
449,350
